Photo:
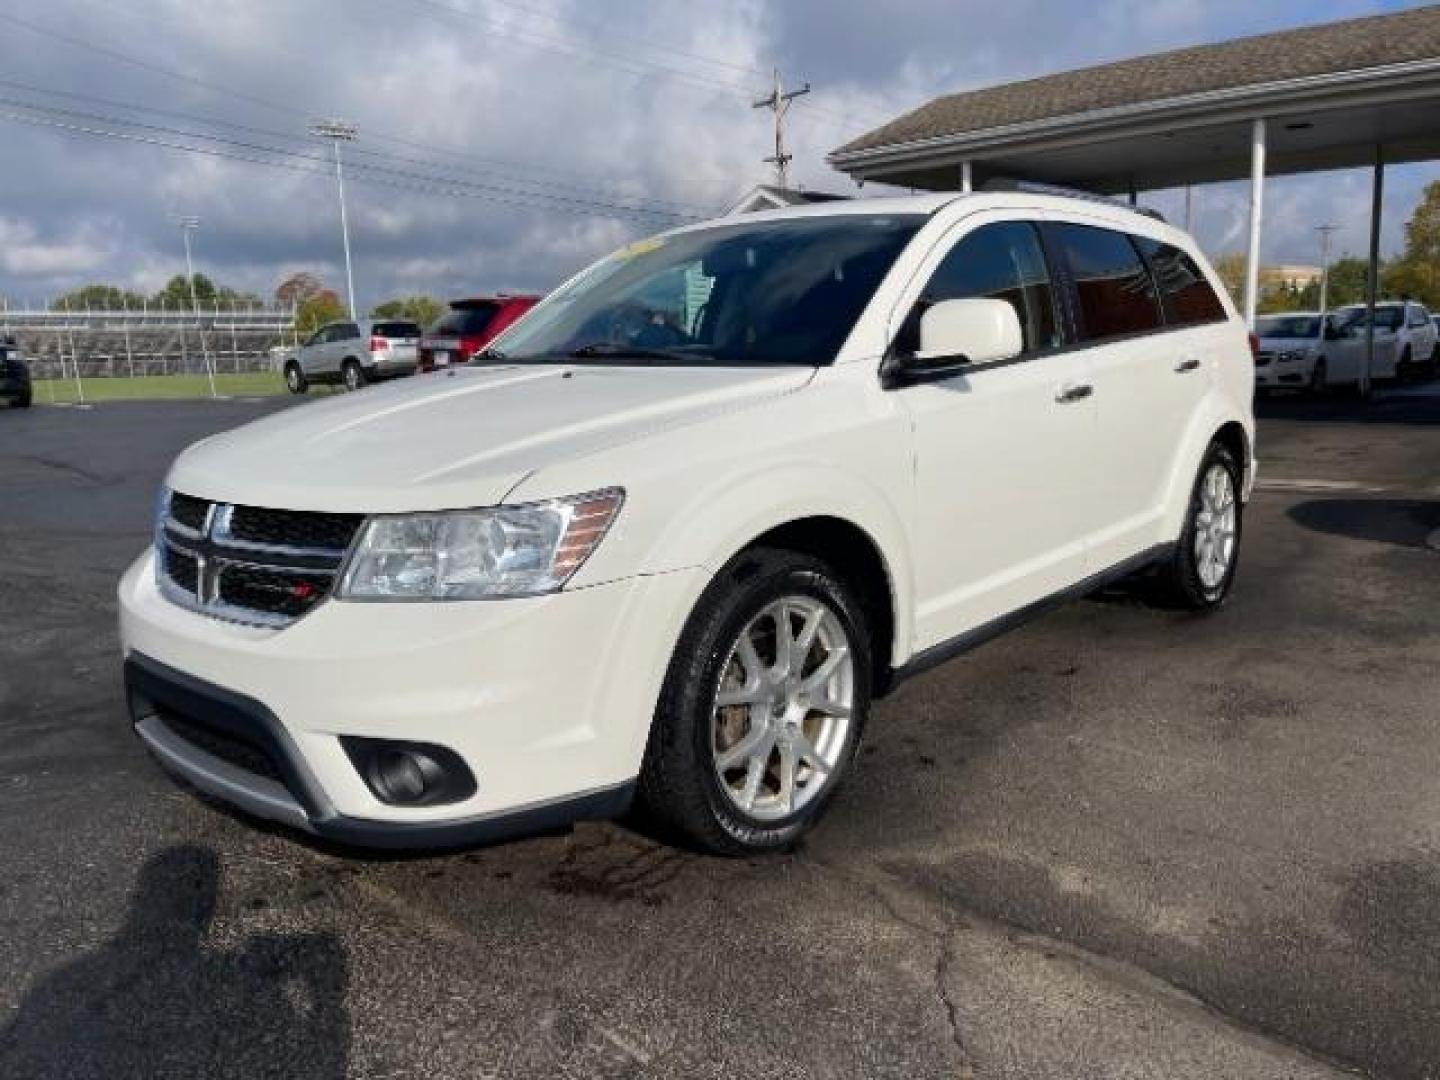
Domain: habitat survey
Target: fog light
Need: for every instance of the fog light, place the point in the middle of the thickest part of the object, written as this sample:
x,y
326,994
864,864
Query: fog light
x,y
410,774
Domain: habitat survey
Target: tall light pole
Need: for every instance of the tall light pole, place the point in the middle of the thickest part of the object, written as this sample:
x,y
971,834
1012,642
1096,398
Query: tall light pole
x,y
1324,231
338,131
189,223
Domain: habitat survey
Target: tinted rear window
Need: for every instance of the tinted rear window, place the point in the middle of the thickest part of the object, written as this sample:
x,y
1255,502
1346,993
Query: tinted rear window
x,y
1189,299
396,329
467,320
1116,294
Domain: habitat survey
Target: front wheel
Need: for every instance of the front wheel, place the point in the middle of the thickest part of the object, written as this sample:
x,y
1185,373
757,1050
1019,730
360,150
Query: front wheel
x,y
295,379
353,375
762,707
1201,569
1319,379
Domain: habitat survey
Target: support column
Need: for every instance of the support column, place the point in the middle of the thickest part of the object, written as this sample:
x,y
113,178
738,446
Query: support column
x,y
1257,206
967,178
1372,277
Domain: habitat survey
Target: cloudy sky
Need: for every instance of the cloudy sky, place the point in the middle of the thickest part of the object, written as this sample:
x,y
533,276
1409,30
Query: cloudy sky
x,y
504,143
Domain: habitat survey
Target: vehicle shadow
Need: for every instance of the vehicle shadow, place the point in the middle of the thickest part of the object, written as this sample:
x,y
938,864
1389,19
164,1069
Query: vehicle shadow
x,y
1402,522
1397,405
157,1000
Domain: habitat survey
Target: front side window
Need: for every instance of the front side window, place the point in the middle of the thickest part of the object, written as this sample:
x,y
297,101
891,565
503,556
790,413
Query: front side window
x,y
1003,261
1288,326
1189,298
1116,294
1419,316
785,291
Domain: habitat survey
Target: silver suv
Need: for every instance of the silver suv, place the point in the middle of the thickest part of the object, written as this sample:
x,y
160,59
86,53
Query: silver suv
x,y
354,352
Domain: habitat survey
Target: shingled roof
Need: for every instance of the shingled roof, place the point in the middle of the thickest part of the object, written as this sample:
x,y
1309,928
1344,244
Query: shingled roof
x,y
1353,45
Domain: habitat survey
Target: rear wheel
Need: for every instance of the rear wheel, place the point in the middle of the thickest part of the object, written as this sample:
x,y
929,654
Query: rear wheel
x,y
762,707
352,375
1201,569
295,379
1405,368
23,400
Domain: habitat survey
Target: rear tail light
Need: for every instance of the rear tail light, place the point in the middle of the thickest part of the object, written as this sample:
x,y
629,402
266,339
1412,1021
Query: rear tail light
x,y
379,344
1254,347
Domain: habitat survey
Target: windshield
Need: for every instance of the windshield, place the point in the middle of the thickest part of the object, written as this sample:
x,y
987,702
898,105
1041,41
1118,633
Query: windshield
x,y
1288,326
1386,318
771,292
466,321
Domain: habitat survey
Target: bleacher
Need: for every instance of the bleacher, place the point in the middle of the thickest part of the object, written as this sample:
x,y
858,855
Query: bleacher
x,y
105,344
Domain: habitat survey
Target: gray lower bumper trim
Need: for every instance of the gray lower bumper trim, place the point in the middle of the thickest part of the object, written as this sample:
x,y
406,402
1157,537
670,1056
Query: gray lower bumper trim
x,y
257,795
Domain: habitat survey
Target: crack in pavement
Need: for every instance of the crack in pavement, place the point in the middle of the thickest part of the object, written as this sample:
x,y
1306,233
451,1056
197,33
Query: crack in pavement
x,y
956,918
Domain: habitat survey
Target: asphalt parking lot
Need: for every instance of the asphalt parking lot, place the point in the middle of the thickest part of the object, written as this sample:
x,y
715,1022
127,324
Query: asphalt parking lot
x,y
1120,842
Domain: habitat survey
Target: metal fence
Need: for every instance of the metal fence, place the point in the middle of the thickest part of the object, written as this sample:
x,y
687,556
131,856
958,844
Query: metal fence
x,y
151,341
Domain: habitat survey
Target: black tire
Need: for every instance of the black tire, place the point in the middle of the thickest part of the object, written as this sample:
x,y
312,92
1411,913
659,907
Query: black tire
x,y
23,400
680,786
1405,370
1319,379
295,379
352,375
1179,576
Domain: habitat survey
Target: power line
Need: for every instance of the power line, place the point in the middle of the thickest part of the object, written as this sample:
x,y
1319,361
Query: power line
x,y
288,136
284,159
779,103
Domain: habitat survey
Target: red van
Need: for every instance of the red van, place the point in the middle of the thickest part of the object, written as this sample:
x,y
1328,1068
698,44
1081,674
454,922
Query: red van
x,y
468,326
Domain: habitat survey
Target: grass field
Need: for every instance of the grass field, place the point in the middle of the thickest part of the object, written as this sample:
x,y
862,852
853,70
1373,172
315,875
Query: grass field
x,y
149,387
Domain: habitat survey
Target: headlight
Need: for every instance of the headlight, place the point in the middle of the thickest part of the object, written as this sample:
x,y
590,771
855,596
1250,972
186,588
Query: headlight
x,y
478,554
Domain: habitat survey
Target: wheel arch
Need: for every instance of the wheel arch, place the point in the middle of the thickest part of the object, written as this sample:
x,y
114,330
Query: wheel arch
x,y
1214,423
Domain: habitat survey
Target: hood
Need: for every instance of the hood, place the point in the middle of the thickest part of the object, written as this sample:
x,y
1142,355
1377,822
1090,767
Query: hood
x,y
457,439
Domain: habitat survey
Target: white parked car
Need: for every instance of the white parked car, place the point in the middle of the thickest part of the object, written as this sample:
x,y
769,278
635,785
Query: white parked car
x,y
1405,341
689,518
354,352
1293,353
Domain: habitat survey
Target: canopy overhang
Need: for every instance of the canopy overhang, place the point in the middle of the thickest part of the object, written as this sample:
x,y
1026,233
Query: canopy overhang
x,y
1332,121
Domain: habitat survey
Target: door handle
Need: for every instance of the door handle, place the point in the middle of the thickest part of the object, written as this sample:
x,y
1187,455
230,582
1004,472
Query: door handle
x,y
1074,392
1189,363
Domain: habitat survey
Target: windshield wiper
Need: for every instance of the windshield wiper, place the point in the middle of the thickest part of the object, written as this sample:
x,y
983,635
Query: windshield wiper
x,y
616,351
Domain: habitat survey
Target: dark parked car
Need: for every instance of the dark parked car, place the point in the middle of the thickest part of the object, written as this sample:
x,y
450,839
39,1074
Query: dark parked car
x,y
14,375
469,326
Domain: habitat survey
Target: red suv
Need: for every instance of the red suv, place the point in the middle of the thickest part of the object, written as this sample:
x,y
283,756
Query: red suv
x,y
468,326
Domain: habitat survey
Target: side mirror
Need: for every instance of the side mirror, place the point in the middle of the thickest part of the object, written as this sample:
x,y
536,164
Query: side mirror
x,y
955,334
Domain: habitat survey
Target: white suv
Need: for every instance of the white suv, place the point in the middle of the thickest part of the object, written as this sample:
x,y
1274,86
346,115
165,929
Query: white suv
x,y
678,527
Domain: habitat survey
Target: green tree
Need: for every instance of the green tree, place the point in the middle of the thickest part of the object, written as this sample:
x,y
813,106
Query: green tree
x,y
316,310
421,309
1347,281
97,298
1416,273
176,292
1231,268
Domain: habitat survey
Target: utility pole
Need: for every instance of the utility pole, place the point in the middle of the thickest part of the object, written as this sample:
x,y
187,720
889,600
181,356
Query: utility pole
x,y
338,131
1325,231
779,103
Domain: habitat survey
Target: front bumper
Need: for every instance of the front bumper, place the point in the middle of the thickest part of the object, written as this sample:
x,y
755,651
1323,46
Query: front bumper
x,y
1284,374
547,700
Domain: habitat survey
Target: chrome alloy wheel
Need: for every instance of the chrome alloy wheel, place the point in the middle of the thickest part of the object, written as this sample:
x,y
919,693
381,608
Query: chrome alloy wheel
x,y
1215,523
783,708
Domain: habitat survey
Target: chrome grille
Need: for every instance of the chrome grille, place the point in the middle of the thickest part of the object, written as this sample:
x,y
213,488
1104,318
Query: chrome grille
x,y
249,564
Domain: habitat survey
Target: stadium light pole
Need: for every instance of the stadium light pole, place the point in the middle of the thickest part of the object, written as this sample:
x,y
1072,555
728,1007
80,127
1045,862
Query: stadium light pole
x,y
189,223
338,131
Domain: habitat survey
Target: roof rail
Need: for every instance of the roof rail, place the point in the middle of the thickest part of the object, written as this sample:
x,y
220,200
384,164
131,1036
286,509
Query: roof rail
x,y
1035,187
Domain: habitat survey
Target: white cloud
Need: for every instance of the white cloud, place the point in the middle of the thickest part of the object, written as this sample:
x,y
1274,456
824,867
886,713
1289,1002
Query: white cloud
x,y
570,99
